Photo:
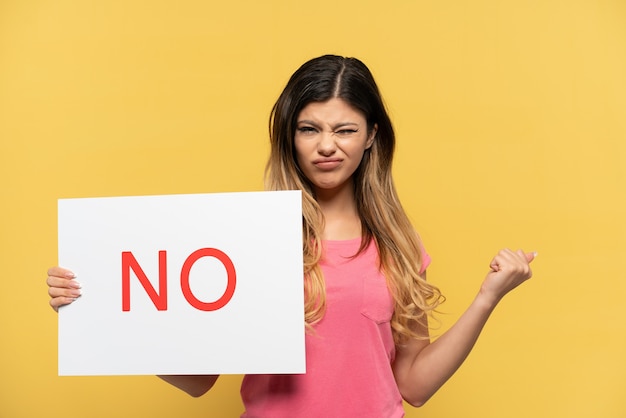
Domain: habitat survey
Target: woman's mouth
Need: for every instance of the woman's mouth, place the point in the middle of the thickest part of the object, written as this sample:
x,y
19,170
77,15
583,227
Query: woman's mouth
x,y
327,163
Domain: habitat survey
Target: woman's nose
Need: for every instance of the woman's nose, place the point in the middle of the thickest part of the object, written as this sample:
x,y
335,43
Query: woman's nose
x,y
326,145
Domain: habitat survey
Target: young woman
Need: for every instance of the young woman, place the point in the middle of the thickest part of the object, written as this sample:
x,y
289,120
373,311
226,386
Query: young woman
x,y
367,298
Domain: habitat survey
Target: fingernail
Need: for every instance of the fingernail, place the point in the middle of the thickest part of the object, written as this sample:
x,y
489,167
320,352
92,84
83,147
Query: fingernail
x,y
534,253
70,275
76,292
75,284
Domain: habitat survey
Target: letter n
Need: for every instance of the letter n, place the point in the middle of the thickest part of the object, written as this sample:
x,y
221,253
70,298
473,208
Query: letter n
x,y
159,299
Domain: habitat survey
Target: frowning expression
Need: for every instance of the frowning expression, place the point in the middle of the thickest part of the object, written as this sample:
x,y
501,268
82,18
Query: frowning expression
x,y
331,138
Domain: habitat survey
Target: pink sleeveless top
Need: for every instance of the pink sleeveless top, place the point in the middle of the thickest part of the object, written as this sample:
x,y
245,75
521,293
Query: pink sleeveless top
x,y
349,356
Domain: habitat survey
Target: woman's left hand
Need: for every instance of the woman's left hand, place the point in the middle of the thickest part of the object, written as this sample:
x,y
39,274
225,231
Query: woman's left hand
x,y
509,269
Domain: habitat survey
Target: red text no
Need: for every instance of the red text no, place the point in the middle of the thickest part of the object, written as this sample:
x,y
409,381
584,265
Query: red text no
x,y
159,299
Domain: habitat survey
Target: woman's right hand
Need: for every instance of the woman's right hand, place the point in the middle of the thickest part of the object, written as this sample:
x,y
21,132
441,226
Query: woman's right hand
x,y
62,287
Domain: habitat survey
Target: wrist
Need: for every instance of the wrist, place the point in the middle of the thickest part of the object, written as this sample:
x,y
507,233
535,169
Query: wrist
x,y
487,300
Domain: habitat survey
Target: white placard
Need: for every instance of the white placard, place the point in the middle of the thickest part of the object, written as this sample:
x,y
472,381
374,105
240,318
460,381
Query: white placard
x,y
183,284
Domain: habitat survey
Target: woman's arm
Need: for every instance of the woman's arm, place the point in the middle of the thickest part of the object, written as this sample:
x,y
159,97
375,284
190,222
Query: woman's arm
x,y
421,367
194,385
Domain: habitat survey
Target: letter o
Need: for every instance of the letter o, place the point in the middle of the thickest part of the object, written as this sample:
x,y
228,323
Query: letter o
x,y
230,271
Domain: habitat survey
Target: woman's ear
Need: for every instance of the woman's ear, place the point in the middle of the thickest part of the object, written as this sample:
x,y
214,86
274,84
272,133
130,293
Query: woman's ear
x,y
372,135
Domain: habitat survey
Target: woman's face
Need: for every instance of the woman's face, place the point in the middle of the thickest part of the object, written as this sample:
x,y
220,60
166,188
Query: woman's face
x,y
330,140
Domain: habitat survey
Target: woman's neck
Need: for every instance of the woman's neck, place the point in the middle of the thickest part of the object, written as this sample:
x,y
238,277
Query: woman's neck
x,y
341,218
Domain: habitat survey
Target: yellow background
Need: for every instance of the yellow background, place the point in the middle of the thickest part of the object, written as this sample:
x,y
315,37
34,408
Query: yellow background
x,y
511,123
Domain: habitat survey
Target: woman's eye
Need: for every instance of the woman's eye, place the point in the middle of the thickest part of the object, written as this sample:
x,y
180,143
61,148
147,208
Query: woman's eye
x,y
306,129
347,132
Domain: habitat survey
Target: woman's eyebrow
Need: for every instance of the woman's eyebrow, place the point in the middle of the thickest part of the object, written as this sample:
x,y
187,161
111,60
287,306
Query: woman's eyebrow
x,y
335,126
344,124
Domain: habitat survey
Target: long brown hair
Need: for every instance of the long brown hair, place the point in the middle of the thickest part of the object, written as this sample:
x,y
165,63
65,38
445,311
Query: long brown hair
x,y
382,217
